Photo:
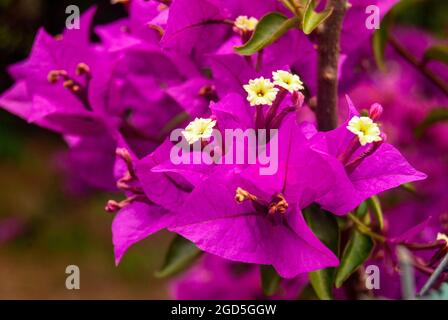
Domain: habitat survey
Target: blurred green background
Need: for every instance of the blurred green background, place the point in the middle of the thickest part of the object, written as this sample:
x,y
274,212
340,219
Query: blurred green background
x,y
42,227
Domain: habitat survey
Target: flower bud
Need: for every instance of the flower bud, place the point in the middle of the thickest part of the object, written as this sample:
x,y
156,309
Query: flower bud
x,y
297,99
375,111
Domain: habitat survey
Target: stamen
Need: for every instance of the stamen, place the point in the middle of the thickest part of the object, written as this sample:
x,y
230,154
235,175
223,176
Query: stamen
x,y
209,93
114,206
278,204
242,195
126,156
55,75
129,183
80,91
82,69
159,29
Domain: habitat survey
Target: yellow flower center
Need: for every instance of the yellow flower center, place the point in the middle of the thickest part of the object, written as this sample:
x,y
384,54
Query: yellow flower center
x,y
260,91
366,130
199,128
287,80
244,23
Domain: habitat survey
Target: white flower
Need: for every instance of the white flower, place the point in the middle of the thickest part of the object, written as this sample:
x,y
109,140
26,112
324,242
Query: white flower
x,y
245,23
287,80
199,128
260,91
366,130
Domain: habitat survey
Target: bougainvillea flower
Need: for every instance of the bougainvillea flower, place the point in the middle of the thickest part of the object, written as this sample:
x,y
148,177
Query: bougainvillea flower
x,y
123,86
170,185
191,24
56,79
370,169
242,216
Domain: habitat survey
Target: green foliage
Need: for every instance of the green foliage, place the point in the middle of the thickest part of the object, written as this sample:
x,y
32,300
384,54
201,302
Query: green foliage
x,y
325,227
270,280
181,255
374,205
437,52
436,115
379,41
269,29
357,251
312,19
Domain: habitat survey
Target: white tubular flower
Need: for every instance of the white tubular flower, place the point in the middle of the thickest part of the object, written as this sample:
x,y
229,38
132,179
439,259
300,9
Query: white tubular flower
x,y
244,23
199,128
260,91
287,80
366,130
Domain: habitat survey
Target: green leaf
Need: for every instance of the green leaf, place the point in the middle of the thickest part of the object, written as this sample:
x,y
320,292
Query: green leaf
x,y
361,211
409,187
437,52
288,5
308,293
379,41
434,116
271,27
181,255
374,205
322,282
270,280
177,120
325,227
357,251
312,19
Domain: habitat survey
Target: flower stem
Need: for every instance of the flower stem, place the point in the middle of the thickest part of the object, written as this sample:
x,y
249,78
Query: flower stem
x,y
328,58
365,229
420,65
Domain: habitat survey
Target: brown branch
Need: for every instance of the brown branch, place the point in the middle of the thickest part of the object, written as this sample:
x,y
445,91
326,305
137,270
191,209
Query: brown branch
x,y
328,57
420,65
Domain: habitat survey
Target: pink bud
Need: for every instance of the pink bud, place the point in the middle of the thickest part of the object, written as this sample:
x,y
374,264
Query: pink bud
x,y
297,99
375,111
